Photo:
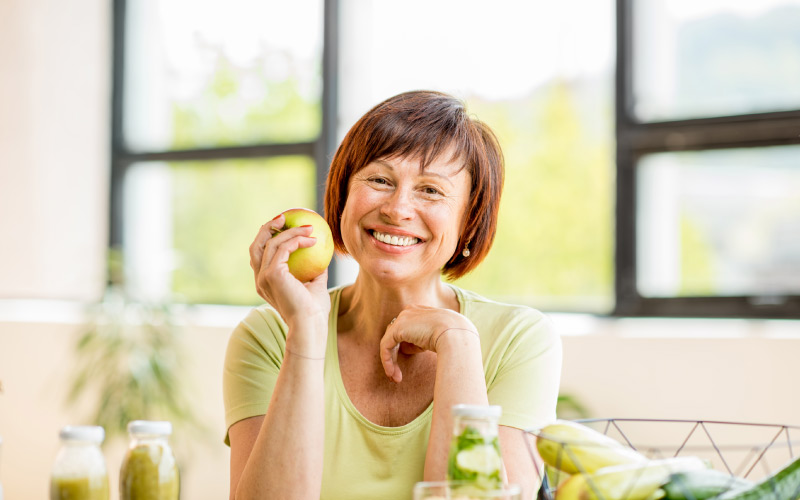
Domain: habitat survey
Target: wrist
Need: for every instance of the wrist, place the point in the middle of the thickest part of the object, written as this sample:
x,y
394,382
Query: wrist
x,y
307,338
456,338
317,321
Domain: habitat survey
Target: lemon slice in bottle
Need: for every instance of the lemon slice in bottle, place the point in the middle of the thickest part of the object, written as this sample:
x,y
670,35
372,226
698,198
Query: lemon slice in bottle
x,y
482,459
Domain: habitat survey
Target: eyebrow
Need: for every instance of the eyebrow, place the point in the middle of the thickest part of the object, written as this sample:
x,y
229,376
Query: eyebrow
x,y
424,172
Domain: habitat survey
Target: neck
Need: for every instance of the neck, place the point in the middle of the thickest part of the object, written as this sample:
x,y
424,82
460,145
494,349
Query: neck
x,y
367,307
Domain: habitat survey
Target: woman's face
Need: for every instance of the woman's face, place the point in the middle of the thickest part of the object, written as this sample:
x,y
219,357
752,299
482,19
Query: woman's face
x,y
400,223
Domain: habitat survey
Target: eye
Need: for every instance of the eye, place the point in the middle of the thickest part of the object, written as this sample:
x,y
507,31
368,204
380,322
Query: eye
x,y
378,180
431,190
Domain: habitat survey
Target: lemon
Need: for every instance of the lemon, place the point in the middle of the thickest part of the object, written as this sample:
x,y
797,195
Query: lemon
x,y
483,459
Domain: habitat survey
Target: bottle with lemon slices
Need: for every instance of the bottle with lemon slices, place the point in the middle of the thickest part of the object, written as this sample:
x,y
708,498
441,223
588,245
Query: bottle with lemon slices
x,y
475,450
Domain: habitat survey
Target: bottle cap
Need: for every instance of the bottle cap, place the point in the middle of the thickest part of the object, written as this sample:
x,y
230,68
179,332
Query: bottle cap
x,y
160,428
477,411
91,433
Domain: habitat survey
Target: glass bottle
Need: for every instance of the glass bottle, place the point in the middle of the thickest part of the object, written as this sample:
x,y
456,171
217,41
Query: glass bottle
x,y
149,470
79,471
475,457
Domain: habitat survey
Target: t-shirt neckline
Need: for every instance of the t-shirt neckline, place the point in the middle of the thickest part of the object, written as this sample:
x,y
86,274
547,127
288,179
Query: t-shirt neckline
x,y
333,357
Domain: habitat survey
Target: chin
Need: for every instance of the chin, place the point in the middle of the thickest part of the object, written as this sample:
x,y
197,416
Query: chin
x,y
393,273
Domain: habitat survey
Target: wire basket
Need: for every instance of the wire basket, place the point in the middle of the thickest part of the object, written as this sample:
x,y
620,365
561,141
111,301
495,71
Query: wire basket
x,y
745,450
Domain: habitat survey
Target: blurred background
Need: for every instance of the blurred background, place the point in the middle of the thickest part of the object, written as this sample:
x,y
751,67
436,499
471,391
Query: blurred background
x,y
651,203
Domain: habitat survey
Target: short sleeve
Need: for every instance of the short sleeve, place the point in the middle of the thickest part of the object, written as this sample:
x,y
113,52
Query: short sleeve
x,y
528,375
252,362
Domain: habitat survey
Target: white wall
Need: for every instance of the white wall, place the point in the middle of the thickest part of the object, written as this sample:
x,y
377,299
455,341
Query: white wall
x,y
741,371
54,135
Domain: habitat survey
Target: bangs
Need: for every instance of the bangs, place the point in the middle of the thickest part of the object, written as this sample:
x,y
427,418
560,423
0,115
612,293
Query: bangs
x,y
423,131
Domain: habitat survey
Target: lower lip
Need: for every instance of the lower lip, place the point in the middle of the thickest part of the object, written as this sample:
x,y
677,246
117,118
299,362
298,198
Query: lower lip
x,y
395,249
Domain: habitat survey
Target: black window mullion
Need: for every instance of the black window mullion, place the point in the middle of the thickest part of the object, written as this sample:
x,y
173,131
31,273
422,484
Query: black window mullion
x,y
768,129
118,166
774,307
326,143
224,153
627,297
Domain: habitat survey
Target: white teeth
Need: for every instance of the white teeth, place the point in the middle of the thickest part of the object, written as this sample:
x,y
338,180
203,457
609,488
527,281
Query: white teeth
x,y
400,241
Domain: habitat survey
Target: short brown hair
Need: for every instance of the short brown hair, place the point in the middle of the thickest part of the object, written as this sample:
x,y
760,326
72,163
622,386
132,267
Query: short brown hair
x,y
424,125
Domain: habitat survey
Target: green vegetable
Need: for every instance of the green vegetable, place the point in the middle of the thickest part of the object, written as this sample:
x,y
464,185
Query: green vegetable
x,y
702,484
783,485
475,459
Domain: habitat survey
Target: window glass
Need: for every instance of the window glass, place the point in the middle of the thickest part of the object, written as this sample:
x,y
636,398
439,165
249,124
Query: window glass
x,y
695,59
205,74
719,223
541,77
188,225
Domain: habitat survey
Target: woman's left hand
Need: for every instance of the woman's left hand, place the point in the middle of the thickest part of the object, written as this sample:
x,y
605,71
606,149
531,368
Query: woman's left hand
x,y
420,328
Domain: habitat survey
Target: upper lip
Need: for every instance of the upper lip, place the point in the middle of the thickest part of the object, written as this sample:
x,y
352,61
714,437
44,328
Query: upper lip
x,y
391,231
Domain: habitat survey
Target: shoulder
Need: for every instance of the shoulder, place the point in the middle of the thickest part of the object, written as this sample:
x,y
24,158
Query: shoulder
x,y
500,314
508,323
521,349
264,324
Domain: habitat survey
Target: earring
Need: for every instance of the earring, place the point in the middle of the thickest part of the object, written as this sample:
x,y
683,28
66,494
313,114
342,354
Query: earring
x,y
465,253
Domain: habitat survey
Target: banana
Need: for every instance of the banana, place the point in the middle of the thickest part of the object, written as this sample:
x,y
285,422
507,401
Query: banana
x,y
636,481
572,447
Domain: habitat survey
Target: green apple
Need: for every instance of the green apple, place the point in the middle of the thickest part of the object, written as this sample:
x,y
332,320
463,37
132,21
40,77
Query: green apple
x,y
305,264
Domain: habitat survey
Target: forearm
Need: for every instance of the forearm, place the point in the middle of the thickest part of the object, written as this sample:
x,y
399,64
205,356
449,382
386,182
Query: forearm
x,y
286,459
521,467
459,380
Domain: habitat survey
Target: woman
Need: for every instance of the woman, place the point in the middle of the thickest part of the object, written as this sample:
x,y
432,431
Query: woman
x,y
346,393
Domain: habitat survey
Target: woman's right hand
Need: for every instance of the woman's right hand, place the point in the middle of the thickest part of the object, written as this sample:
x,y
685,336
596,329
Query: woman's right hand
x,y
269,255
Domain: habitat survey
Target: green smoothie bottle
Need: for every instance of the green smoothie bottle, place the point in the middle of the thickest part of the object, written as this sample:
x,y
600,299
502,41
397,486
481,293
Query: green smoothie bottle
x,y
79,471
149,470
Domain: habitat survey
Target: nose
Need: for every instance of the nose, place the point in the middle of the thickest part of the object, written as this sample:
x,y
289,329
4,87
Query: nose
x,y
398,206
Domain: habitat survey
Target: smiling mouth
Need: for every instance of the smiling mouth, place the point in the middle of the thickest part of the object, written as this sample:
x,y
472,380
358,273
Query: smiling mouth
x,y
398,241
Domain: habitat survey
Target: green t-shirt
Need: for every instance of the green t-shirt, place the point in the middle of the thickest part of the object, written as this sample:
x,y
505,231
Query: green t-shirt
x,y
521,362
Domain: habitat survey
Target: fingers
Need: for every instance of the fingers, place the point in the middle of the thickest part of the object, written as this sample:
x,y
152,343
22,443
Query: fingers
x,y
388,351
410,349
270,250
280,246
265,233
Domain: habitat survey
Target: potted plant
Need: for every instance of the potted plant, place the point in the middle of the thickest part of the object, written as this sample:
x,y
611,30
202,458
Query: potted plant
x,y
128,358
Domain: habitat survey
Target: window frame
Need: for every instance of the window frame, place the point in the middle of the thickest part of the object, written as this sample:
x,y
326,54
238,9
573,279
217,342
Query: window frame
x,y
320,150
634,139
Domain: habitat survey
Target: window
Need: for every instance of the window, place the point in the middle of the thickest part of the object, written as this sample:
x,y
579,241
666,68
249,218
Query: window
x,y
708,177
222,118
